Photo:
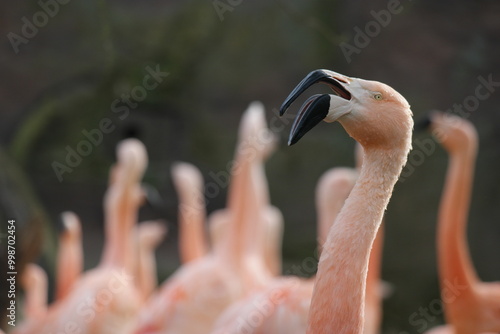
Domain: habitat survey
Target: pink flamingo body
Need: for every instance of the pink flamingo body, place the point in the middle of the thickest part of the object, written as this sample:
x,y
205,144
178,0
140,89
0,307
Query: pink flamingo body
x,y
476,307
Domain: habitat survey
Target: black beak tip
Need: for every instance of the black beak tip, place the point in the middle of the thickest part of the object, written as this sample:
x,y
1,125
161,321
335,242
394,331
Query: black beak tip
x,y
292,140
282,110
313,111
424,123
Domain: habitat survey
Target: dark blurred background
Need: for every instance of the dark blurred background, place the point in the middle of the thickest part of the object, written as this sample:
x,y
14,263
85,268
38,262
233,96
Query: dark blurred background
x,y
62,78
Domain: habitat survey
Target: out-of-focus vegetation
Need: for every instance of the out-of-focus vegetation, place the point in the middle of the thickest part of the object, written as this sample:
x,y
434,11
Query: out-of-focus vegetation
x,y
66,78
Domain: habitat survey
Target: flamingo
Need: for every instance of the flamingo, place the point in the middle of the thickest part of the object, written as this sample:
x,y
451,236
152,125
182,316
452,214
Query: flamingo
x,y
266,237
282,307
70,263
34,282
193,241
380,119
272,240
270,234
194,296
149,236
69,256
475,308
106,299
290,297
262,233
188,182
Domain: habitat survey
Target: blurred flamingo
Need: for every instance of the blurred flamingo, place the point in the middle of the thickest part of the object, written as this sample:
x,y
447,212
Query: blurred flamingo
x,y
188,182
34,279
289,298
192,298
35,284
69,256
149,236
189,185
106,299
380,119
471,306
282,307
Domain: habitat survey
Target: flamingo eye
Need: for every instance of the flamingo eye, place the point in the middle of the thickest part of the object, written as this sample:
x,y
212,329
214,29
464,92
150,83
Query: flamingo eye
x,y
377,96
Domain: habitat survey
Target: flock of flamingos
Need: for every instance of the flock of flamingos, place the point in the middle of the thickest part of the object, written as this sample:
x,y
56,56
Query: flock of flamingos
x,y
229,281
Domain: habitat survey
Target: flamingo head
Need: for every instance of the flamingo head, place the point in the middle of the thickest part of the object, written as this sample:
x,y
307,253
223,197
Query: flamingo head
x,y
254,135
132,161
187,178
453,132
372,113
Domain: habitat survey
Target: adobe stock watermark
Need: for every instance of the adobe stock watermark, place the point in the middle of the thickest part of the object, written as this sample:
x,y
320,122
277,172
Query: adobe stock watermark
x,y
425,147
121,107
372,29
30,28
223,6
424,318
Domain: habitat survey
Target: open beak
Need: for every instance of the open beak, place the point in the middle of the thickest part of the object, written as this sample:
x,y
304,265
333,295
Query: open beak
x,y
317,107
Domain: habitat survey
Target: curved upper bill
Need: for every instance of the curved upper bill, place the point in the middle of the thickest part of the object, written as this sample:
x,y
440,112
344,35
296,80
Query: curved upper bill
x,y
316,108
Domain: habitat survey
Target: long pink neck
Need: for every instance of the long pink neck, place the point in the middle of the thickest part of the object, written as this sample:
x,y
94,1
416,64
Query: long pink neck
x,y
231,245
337,304
241,245
455,265
254,233
122,204
69,256
192,236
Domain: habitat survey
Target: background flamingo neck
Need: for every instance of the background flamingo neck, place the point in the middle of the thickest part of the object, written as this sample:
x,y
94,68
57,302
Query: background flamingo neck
x,y
254,226
120,218
231,248
258,203
242,246
454,258
330,198
193,242
339,293
69,261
